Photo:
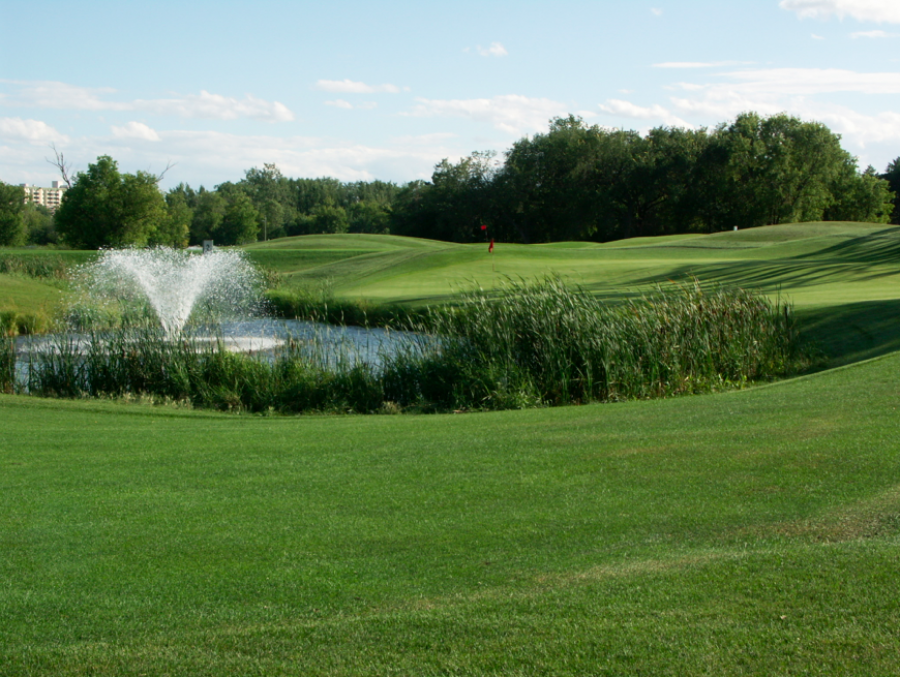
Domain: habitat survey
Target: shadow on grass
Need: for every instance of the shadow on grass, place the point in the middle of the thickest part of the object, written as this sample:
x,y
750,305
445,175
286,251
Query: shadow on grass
x,y
772,276
879,247
853,332
855,260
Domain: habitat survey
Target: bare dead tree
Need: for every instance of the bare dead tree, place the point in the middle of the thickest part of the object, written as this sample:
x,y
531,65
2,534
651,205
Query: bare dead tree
x,y
59,162
169,166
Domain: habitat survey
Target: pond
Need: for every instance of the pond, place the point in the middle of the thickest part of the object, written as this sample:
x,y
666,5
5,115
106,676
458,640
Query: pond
x,y
262,338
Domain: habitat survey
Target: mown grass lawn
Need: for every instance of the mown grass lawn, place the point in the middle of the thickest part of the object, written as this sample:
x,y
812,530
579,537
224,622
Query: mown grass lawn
x,y
753,532
813,265
745,533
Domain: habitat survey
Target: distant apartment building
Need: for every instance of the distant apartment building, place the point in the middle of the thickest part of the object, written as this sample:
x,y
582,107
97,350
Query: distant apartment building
x,y
49,197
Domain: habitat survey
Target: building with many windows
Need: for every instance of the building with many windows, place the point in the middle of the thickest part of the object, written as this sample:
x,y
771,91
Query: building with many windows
x,y
49,197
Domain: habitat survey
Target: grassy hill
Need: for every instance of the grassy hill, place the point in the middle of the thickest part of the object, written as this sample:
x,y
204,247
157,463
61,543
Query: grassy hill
x,y
816,264
842,278
31,284
746,533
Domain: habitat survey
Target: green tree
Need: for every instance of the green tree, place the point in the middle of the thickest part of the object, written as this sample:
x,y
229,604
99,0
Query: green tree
x,y
174,230
369,216
860,197
329,218
208,212
272,197
240,223
106,208
411,209
39,224
461,197
770,170
892,176
13,231
546,183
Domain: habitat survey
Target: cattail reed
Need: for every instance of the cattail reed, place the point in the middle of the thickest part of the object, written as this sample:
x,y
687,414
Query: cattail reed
x,y
529,345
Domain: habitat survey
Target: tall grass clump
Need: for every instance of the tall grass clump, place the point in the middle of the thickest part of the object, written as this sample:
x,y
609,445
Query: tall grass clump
x,y
39,267
529,345
550,343
204,372
7,362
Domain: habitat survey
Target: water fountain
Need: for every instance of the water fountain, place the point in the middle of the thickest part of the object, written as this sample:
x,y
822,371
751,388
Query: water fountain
x,y
199,303
176,284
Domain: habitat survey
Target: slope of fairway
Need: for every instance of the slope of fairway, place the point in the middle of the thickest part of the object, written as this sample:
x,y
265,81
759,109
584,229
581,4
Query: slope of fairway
x,y
842,278
20,293
812,264
24,293
754,532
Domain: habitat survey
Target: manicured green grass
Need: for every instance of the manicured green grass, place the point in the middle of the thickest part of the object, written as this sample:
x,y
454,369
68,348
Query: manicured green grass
x,y
843,279
811,264
830,272
753,532
32,286
23,294
745,533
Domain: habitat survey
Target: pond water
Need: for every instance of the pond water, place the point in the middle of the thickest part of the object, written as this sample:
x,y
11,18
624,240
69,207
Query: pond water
x,y
264,338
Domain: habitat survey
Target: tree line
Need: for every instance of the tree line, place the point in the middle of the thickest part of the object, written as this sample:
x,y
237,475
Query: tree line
x,y
581,182
573,182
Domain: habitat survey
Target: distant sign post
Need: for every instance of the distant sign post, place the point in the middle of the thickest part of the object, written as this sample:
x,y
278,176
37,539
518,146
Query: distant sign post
x,y
207,246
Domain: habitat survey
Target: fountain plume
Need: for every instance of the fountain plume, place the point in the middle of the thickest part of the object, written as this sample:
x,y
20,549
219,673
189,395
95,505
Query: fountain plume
x,y
174,283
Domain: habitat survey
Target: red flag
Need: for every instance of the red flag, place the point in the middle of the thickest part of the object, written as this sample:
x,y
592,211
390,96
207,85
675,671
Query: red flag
x,y
491,247
483,227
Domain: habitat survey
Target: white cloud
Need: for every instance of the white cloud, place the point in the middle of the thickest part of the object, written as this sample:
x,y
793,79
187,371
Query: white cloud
x,y
217,107
798,81
32,131
655,112
496,49
512,113
60,95
816,37
341,103
351,87
700,64
802,92
423,139
217,157
879,11
858,127
656,11
135,130
872,34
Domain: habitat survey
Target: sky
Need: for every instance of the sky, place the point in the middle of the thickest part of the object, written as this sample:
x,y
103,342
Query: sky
x,y
203,91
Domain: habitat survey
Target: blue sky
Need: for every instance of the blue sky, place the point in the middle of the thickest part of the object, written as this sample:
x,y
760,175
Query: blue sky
x,y
365,90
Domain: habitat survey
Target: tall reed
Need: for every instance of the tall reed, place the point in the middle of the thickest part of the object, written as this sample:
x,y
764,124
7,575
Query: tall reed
x,y
7,362
304,376
555,344
529,345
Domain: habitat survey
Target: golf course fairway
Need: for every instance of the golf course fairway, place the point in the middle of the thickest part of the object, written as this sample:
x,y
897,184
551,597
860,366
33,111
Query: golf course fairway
x,y
751,532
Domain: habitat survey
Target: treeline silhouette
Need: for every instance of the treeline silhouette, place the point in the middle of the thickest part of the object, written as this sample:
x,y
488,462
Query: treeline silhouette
x,y
574,182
